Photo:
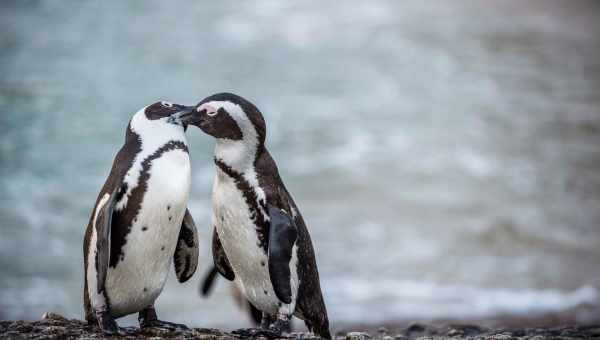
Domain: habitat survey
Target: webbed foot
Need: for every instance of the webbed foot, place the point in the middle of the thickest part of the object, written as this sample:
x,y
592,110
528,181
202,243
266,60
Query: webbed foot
x,y
280,326
148,318
164,325
107,323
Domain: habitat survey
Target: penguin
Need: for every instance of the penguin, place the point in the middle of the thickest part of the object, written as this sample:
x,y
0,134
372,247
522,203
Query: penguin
x,y
140,222
260,239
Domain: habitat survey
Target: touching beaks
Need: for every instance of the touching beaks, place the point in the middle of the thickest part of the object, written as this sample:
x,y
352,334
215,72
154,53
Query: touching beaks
x,y
184,117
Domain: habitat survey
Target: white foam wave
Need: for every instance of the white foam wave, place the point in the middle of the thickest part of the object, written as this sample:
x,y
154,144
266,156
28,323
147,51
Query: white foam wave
x,y
416,300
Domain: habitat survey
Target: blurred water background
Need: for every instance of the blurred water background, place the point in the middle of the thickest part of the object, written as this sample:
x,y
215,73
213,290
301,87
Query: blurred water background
x,y
446,155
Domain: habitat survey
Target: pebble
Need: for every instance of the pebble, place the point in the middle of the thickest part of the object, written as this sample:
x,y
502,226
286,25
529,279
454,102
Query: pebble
x,y
53,316
357,336
382,330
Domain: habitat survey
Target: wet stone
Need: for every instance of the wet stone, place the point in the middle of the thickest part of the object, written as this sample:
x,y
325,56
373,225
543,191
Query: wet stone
x,y
357,336
454,332
415,328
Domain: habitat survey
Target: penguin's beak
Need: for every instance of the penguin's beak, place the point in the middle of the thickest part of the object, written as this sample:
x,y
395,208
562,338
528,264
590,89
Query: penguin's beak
x,y
183,117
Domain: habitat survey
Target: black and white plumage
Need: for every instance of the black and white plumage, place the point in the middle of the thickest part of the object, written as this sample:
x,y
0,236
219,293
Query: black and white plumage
x,y
140,223
260,237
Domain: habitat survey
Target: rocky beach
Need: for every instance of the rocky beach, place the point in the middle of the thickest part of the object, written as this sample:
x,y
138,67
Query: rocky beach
x,y
581,323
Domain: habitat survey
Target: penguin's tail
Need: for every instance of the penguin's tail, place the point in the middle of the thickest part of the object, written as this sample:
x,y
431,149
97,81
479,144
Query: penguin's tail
x,y
255,313
208,281
323,333
320,326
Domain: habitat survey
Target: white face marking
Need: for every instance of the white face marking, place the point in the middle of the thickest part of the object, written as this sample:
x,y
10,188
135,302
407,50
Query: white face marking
x,y
166,104
153,135
238,154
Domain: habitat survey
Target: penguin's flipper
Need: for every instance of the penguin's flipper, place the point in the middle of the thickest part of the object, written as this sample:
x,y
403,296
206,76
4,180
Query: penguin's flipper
x,y
186,253
220,258
102,223
282,236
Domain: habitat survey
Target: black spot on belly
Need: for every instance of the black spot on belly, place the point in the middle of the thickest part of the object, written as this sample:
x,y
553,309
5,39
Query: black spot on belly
x,y
123,220
168,207
266,293
145,289
144,228
262,263
170,217
162,248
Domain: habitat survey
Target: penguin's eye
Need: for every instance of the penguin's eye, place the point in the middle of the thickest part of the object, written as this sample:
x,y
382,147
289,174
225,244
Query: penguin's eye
x,y
166,104
212,113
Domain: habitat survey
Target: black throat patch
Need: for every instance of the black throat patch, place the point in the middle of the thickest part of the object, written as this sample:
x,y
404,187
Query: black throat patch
x,y
251,198
123,220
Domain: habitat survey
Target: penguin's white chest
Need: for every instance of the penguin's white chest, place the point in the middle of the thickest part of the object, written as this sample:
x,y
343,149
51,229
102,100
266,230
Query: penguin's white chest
x,y
139,277
239,238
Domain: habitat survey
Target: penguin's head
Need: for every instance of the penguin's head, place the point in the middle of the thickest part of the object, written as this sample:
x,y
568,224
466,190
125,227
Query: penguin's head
x,y
170,113
227,116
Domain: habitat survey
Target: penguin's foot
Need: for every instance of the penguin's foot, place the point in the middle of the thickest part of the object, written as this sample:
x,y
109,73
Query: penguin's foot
x,y
280,326
266,320
148,318
107,323
254,332
163,324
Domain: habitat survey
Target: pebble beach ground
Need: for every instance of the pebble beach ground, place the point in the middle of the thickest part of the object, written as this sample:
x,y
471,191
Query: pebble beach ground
x,y
55,326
